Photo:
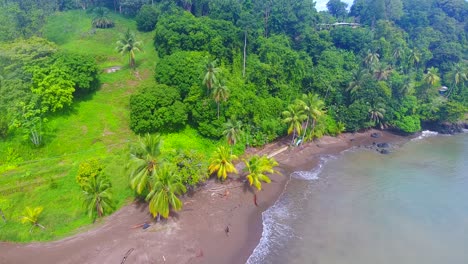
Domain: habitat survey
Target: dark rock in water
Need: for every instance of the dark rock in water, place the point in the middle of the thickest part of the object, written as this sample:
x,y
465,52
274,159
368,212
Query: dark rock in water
x,y
383,145
385,151
375,135
445,128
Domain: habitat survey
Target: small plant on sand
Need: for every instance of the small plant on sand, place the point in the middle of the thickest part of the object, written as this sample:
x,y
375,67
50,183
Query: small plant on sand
x,y
31,216
221,163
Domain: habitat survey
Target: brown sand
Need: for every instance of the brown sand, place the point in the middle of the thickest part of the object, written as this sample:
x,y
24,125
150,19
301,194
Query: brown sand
x,y
197,234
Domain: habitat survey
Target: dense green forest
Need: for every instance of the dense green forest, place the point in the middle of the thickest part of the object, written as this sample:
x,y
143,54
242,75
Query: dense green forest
x,y
197,72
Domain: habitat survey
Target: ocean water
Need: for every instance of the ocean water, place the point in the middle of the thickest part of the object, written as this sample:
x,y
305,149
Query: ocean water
x,y
365,208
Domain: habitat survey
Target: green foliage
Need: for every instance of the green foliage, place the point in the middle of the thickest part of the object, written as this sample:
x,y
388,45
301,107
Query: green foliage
x,y
146,18
53,87
31,216
192,167
87,170
157,109
452,112
101,18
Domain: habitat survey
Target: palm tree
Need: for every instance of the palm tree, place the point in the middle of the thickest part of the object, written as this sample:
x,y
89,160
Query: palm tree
x,y
144,159
414,57
232,131
221,163
101,18
220,93
382,72
32,216
166,185
376,115
398,54
358,81
371,59
431,77
294,116
97,196
313,108
457,75
210,79
128,44
257,167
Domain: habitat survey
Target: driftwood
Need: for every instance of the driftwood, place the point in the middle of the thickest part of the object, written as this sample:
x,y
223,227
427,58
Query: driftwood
x,y
126,255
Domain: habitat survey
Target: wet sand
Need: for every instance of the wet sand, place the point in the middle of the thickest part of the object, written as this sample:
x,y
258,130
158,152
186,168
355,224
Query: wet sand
x,y
196,234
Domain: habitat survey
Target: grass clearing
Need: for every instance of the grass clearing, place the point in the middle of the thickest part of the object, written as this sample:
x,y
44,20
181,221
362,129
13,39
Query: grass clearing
x,y
96,126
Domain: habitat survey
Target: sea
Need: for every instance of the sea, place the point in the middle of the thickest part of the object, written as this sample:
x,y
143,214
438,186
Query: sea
x,y
362,207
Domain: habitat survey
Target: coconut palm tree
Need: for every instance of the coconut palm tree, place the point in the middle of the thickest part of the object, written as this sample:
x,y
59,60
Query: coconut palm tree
x,y
293,117
101,18
220,93
97,196
457,76
371,59
221,163
313,107
32,216
414,57
257,167
398,53
166,186
210,79
359,78
144,160
431,77
382,71
232,131
129,44
376,115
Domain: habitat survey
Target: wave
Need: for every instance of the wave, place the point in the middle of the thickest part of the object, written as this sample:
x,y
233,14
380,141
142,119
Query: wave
x,y
276,232
426,134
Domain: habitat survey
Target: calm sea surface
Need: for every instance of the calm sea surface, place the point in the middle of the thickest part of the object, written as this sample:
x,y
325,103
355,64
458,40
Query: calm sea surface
x,y
366,208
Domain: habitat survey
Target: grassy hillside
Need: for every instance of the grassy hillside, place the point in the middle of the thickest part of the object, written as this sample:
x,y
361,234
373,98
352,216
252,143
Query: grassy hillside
x,y
94,127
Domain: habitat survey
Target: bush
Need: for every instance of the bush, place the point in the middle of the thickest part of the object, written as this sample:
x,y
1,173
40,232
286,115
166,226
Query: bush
x,y
88,169
82,69
157,108
192,167
147,18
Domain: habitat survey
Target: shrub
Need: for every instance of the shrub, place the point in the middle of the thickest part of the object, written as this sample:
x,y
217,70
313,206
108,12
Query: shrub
x,y
192,167
88,169
157,108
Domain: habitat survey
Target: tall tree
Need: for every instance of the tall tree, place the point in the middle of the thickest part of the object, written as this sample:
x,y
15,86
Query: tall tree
x,y
220,93
129,44
144,161
166,186
371,59
337,8
210,79
458,75
313,107
221,163
232,131
376,115
431,77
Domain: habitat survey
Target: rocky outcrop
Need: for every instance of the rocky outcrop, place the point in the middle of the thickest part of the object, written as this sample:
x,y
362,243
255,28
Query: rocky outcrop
x,y
446,128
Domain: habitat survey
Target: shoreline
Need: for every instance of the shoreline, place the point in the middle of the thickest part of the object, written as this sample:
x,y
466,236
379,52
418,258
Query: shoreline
x,y
197,234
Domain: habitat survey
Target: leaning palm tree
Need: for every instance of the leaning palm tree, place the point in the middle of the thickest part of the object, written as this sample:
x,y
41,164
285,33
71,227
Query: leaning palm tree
x,y
144,160
32,216
220,93
221,163
210,79
293,117
97,196
128,44
376,115
382,72
257,167
431,77
232,131
166,185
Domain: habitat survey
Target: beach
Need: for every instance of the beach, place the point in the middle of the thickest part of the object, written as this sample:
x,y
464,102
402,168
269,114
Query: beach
x,y
219,223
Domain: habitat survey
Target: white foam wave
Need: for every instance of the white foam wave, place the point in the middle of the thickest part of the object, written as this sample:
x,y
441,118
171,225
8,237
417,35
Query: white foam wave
x,y
425,134
276,232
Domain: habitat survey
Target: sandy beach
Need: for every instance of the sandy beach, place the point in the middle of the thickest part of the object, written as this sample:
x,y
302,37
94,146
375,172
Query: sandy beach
x,y
218,224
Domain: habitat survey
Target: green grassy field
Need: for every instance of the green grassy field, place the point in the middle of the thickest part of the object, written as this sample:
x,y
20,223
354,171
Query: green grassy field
x,y
94,127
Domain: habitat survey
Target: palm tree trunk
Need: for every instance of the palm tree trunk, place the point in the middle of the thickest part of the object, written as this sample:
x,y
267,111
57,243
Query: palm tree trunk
x,y
98,210
218,110
305,131
294,136
3,216
245,52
